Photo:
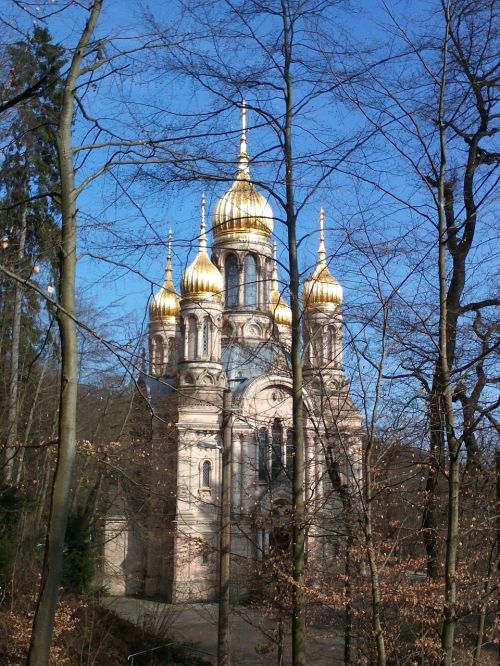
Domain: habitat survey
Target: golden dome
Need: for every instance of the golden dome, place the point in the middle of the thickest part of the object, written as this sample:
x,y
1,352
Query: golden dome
x,y
281,312
321,289
202,280
242,209
165,303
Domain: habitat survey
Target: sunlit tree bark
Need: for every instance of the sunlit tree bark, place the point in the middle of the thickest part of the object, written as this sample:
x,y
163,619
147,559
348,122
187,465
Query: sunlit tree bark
x,y
59,504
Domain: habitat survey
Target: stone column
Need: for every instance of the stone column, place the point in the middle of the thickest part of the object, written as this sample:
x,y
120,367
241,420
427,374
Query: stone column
x,y
237,469
265,541
244,473
185,329
260,543
241,285
199,338
260,288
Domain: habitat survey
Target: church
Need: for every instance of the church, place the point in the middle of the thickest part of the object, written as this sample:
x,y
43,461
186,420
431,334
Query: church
x,y
228,330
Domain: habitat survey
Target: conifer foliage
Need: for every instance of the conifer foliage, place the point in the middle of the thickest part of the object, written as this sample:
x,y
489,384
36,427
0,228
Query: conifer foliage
x,y
28,171
29,228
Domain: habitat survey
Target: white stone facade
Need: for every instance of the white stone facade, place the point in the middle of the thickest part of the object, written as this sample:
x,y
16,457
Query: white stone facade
x,y
230,341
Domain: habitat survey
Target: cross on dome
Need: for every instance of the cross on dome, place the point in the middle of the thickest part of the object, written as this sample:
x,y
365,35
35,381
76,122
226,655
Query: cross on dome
x,y
203,226
243,162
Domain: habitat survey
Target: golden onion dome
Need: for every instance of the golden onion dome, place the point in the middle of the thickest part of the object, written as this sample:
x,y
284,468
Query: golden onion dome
x,y
165,303
278,308
202,279
321,289
242,209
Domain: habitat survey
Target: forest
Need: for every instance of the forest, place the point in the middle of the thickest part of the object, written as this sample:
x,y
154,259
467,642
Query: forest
x,y
114,119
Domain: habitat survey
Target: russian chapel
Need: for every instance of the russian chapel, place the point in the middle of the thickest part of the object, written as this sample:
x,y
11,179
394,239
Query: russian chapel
x,y
229,329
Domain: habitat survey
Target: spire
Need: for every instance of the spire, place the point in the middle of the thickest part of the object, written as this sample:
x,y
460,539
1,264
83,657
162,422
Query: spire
x,y
243,164
203,226
165,303
321,247
321,289
168,282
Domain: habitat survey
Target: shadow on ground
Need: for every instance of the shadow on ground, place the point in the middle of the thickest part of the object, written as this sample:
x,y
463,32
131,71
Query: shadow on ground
x,y
253,633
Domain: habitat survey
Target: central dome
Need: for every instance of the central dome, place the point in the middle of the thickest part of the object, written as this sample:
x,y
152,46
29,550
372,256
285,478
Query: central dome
x,y
242,210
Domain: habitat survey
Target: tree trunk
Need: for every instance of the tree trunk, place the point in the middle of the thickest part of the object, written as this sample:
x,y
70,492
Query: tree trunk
x,y
450,592
447,341
298,499
43,622
349,572
372,562
12,416
345,495
223,636
497,470
29,423
483,605
298,502
430,509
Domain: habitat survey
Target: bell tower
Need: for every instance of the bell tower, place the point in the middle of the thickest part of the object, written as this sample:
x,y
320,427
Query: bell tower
x,y
164,312
201,319
322,320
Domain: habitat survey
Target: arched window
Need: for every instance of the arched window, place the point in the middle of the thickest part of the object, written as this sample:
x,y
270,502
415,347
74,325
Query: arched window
x,y
192,338
250,280
276,465
231,272
153,354
318,348
331,344
206,474
263,447
205,332
158,354
171,351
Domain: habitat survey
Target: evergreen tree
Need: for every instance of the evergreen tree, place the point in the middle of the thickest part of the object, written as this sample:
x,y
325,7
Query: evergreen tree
x,y
78,563
10,512
28,215
29,170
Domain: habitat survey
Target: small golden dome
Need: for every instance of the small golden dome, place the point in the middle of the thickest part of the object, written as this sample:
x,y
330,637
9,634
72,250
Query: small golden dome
x,y
242,209
278,308
202,280
321,289
281,312
165,303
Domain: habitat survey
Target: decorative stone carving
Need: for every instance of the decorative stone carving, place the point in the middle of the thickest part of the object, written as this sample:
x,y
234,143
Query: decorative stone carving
x,y
278,395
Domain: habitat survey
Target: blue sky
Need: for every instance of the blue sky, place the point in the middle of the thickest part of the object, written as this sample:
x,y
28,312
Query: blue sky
x,y
124,219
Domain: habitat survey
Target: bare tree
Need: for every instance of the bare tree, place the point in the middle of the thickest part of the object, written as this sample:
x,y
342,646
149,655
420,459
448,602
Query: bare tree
x,y
43,621
445,131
